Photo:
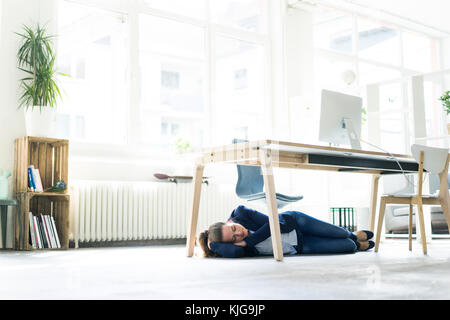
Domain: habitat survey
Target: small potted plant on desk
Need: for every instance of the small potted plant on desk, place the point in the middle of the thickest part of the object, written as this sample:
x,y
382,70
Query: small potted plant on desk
x,y
445,99
39,89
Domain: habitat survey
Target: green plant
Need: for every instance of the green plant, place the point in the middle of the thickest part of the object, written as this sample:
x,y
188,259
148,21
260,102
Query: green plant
x,y
445,99
363,115
182,145
36,58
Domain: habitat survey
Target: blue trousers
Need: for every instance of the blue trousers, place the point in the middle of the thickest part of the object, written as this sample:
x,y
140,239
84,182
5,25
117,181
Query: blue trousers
x,y
323,237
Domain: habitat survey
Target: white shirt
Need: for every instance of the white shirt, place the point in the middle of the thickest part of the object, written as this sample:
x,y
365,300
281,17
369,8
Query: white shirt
x,y
288,241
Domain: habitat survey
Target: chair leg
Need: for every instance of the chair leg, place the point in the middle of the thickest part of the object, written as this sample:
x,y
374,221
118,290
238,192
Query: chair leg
x,y
422,227
410,227
380,223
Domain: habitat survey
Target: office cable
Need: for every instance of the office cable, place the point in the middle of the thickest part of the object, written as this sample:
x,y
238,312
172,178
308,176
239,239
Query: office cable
x,y
398,163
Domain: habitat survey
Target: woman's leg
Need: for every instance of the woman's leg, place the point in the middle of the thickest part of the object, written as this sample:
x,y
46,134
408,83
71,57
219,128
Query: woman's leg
x,y
314,227
313,244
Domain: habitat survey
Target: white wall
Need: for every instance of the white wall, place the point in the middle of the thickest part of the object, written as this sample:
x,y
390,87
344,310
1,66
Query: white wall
x,y
13,14
445,53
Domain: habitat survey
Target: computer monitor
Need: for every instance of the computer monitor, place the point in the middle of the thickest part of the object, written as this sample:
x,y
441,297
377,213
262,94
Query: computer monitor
x,y
340,119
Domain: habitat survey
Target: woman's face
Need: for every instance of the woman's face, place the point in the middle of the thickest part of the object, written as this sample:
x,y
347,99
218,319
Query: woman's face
x,y
233,232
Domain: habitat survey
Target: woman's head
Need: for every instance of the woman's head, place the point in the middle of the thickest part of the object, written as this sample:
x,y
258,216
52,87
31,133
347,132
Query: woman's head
x,y
233,232
213,234
221,232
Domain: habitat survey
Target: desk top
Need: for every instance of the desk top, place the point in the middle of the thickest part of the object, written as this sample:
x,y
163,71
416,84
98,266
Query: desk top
x,y
307,156
301,148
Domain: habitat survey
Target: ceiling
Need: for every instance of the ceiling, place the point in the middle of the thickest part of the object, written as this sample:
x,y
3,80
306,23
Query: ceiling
x,y
429,16
433,13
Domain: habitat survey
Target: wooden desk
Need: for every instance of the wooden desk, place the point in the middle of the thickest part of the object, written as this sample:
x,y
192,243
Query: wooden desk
x,y
271,153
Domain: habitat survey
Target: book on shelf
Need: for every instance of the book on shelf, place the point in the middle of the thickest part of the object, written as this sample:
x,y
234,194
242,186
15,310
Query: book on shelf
x,y
46,231
37,232
30,179
38,180
53,224
50,231
33,235
43,233
34,179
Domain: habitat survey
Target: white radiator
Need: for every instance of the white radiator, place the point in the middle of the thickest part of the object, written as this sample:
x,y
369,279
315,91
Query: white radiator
x,y
118,211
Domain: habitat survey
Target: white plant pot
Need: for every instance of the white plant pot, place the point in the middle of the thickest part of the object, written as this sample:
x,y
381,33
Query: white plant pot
x,y
40,122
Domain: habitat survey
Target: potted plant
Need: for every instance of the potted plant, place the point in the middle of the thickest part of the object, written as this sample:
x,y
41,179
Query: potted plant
x,y
445,99
182,145
39,88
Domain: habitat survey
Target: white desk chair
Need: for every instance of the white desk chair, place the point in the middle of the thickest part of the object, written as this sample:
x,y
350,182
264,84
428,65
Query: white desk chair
x,y
433,160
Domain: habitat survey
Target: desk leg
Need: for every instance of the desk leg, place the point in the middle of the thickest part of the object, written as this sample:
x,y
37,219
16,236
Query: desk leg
x,y
265,157
373,201
198,175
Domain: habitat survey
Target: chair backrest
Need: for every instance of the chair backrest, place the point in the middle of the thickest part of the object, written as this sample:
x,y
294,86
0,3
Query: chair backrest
x,y
434,159
435,184
250,178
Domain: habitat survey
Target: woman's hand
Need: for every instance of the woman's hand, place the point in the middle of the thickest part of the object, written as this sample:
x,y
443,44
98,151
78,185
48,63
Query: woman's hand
x,y
240,243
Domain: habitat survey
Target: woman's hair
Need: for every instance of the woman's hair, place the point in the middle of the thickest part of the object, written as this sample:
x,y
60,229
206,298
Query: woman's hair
x,y
213,234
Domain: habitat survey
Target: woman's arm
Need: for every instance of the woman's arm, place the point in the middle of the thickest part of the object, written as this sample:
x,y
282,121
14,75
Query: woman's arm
x,y
251,218
259,222
259,235
254,220
230,250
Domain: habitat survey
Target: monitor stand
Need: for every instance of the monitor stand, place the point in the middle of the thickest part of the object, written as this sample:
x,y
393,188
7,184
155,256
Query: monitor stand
x,y
352,136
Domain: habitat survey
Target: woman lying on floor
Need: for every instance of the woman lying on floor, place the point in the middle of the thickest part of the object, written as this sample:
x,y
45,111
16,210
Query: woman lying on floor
x,y
247,233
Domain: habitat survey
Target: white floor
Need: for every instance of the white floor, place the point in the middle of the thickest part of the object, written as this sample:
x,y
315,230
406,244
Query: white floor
x,y
164,272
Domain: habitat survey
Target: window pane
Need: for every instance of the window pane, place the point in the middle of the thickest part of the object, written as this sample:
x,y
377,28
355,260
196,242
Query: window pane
x,y
171,82
370,73
240,100
333,30
378,42
391,97
92,48
434,114
191,8
392,133
334,74
392,119
245,14
418,52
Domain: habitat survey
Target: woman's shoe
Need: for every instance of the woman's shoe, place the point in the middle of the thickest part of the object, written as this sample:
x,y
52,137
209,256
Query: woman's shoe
x,y
365,245
363,235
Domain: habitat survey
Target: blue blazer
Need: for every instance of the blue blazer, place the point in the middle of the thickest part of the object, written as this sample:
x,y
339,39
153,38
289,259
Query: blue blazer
x,y
257,222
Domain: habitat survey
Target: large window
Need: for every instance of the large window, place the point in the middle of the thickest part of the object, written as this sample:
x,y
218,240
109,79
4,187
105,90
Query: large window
x,y
92,50
156,73
172,81
240,71
375,53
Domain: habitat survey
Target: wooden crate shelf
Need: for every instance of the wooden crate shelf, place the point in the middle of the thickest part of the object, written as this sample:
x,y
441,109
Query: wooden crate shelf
x,y
45,203
50,156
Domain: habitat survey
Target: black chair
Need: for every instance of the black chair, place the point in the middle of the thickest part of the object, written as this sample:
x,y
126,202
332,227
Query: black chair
x,y
250,185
